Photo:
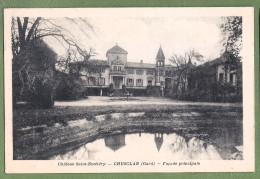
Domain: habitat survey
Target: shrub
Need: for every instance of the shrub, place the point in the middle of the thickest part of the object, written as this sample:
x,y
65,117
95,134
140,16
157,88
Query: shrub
x,y
111,88
153,90
33,74
43,95
70,88
124,88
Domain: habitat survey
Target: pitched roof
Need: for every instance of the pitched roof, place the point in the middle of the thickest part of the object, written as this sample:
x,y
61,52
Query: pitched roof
x,y
115,142
92,62
170,67
223,58
117,49
99,62
216,61
139,65
160,55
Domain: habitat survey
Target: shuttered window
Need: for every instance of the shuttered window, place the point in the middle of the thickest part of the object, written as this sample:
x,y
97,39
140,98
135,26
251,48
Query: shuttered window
x,y
139,82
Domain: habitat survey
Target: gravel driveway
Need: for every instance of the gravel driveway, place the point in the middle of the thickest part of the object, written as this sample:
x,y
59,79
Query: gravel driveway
x,y
104,100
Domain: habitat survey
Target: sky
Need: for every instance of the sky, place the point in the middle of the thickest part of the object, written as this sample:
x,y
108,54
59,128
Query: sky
x,y
141,37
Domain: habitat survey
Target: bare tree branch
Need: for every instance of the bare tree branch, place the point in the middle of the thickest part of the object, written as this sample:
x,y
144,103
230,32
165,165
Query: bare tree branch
x,y
32,29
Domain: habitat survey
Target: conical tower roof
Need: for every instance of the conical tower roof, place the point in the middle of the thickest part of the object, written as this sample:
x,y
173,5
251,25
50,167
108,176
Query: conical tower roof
x,y
160,55
158,141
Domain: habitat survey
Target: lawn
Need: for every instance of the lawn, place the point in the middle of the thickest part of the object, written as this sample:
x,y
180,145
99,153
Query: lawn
x,y
23,116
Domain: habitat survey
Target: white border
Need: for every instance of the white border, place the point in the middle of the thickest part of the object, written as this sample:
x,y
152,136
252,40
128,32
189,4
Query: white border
x,y
247,13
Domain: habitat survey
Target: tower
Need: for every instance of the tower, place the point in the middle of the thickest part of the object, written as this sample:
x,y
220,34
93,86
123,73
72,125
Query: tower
x,y
117,59
159,69
115,142
116,56
158,139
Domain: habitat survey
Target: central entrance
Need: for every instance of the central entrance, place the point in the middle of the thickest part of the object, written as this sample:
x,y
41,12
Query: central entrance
x,y
118,82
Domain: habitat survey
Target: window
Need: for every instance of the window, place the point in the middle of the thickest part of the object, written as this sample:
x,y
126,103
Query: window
x,y
102,70
160,64
117,68
130,71
139,82
231,78
101,81
130,82
221,77
149,82
139,72
149,72
92,81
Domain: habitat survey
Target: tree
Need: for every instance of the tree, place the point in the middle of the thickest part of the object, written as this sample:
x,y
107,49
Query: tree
x,y
23,33
232,28
33,74
183,66
27,36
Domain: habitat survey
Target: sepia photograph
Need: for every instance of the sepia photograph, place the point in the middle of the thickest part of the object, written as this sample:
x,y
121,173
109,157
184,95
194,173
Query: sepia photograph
x,y
129,90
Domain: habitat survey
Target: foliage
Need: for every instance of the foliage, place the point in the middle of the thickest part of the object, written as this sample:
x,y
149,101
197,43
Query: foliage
x,y
231,64
124,88
30,29
231,28
153,90
183,66
44,98
34,62
70,88
225,88
111,88
33,72
202,85
86,68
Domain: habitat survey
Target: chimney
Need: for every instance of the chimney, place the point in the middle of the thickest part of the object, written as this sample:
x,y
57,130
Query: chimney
x,y
141,61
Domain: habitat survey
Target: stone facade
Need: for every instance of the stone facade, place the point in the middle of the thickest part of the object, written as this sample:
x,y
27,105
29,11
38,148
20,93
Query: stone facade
x,y
116,70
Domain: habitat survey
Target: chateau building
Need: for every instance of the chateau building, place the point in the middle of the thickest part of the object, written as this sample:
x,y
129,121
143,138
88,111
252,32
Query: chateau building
x,y
116,70
157,79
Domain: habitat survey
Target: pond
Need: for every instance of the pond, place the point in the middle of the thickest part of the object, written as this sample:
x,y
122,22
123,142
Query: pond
x,y
209,133
214,141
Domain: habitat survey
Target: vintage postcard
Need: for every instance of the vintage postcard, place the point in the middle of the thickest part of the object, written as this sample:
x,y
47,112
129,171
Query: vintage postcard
x,y
102,90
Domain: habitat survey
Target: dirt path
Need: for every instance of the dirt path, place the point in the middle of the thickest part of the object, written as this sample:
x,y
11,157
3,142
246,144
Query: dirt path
x,y
107,101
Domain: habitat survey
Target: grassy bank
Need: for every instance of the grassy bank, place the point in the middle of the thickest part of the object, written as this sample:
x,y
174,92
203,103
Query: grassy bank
x,y
23,116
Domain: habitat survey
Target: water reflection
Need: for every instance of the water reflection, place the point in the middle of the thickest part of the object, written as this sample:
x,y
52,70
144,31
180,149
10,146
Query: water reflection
x,y
143,146
212,140
115,142
158,139
194,148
